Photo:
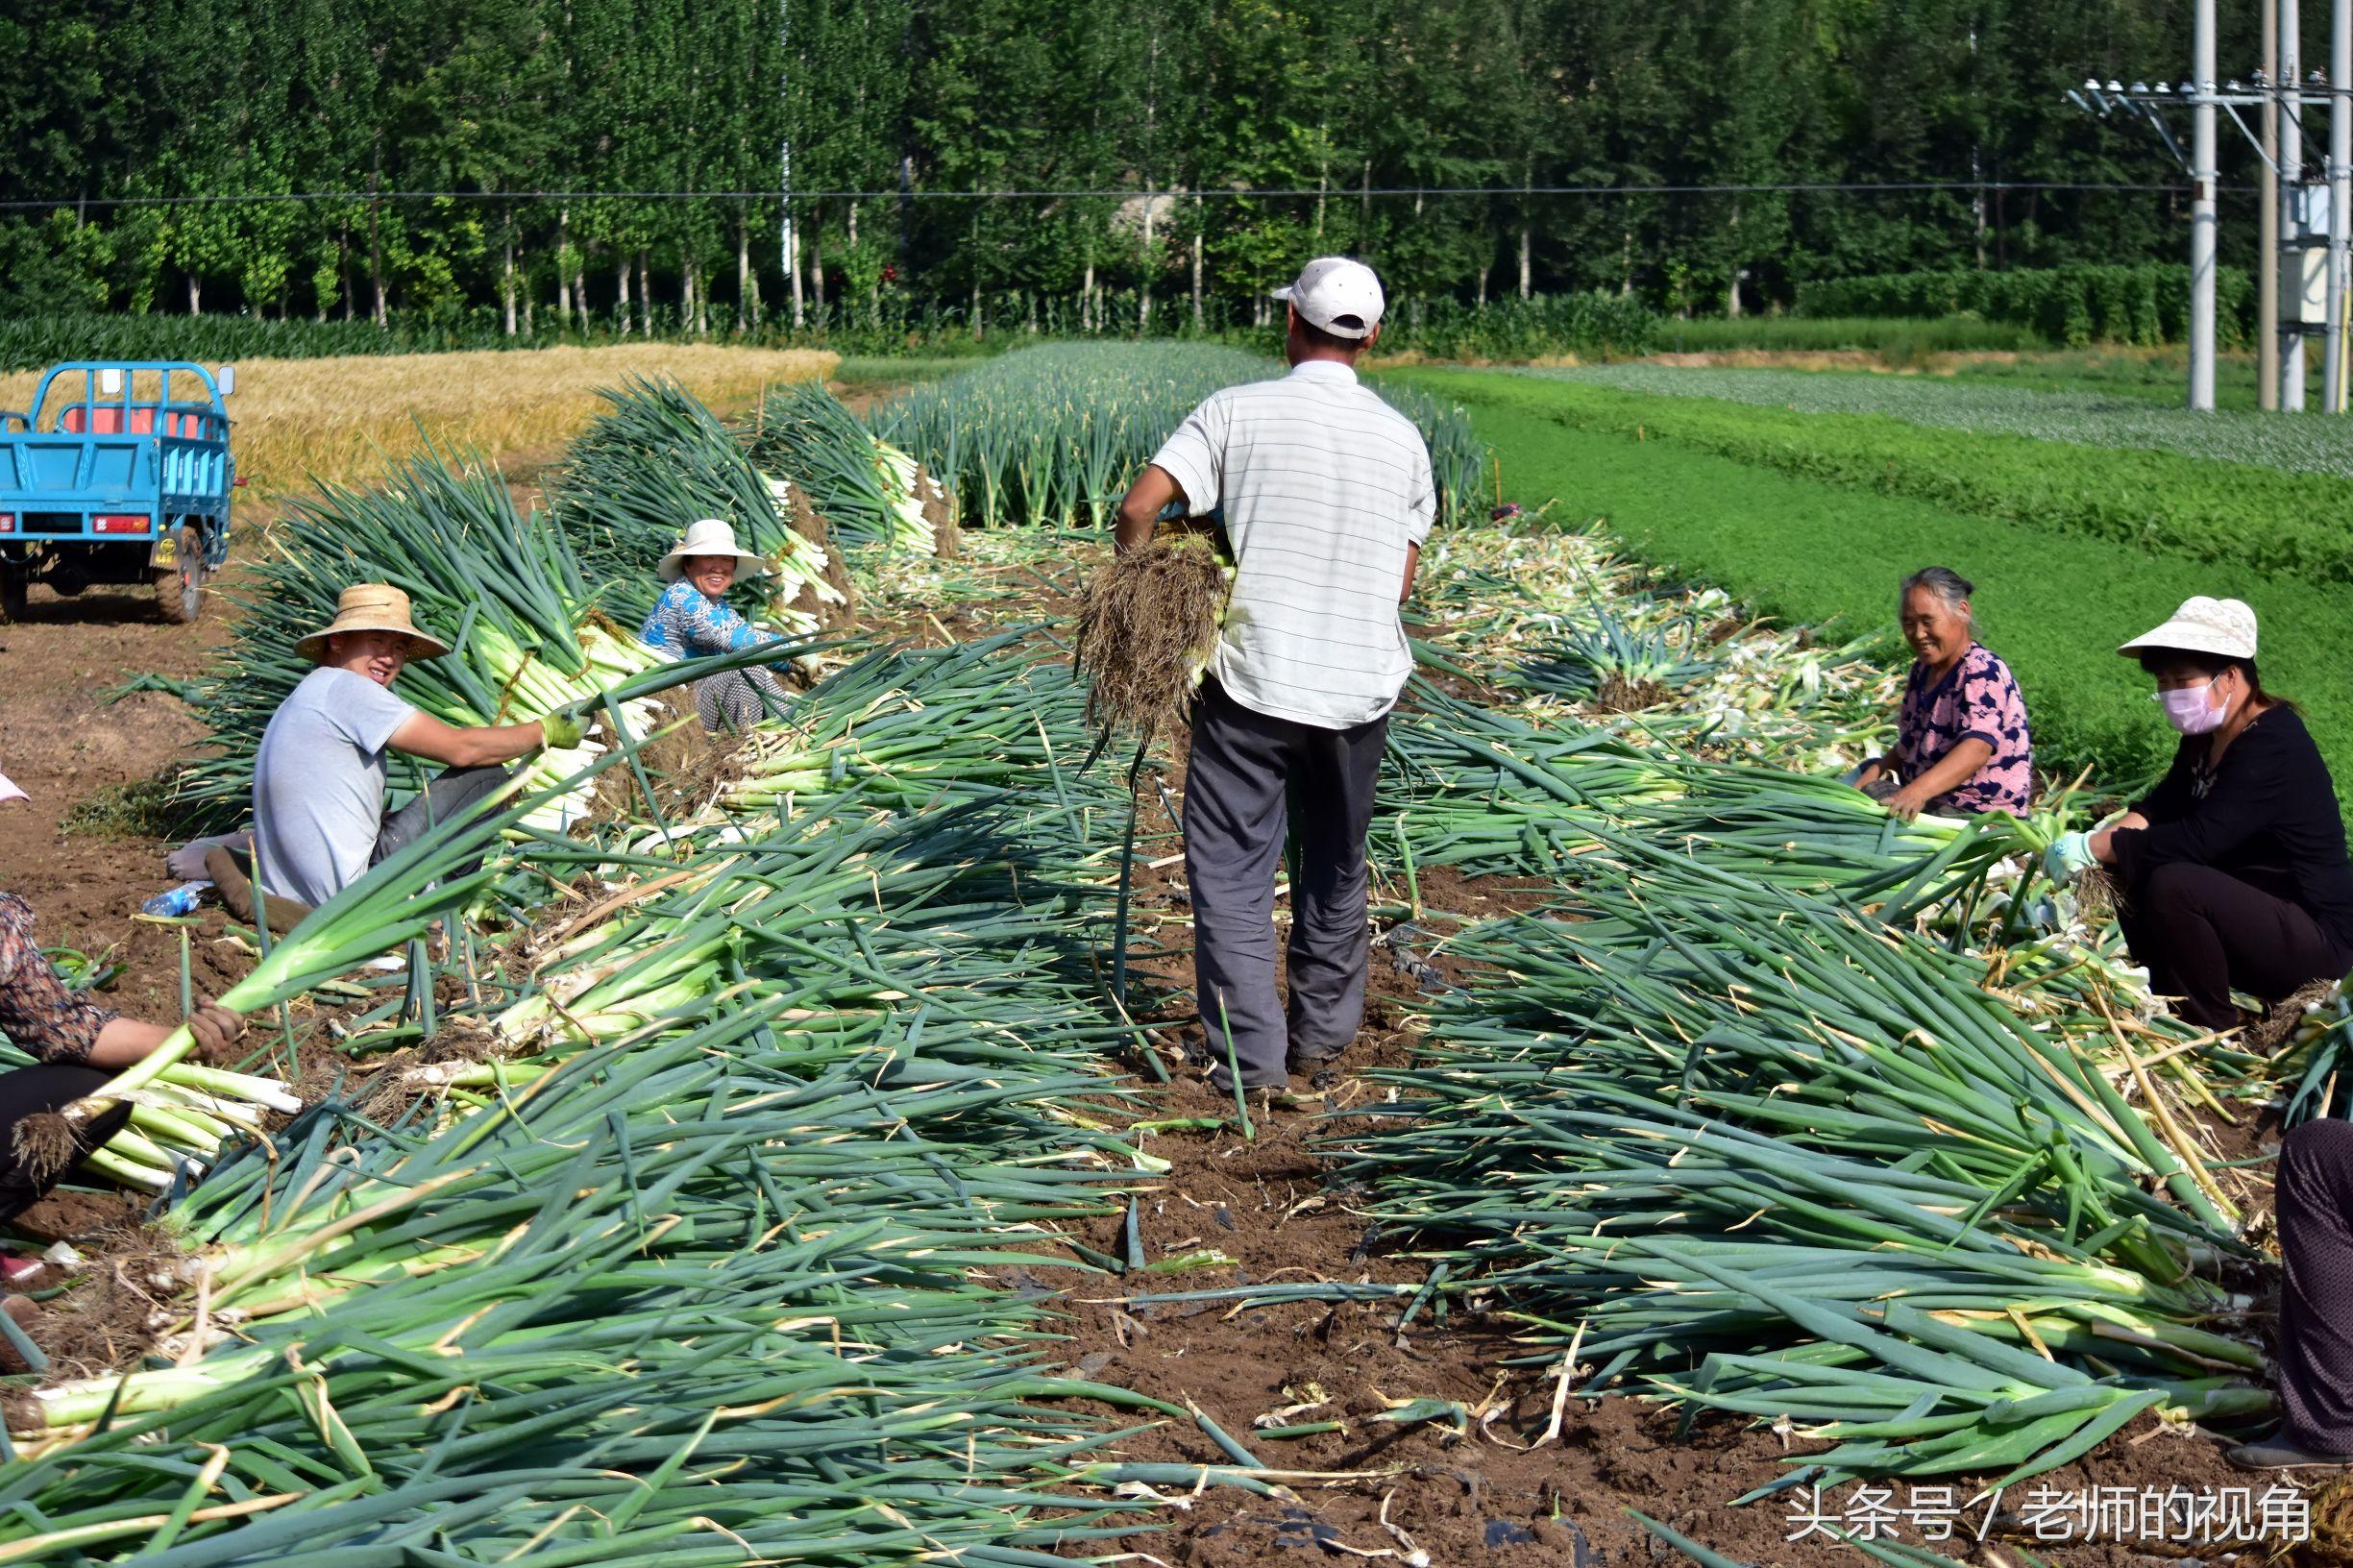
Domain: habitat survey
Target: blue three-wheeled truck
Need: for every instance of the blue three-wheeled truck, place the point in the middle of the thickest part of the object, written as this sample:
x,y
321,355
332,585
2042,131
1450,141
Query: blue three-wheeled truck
x,y
120,474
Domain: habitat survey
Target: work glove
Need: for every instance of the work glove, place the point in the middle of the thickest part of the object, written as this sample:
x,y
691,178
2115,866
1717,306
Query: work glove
x,y
2069,857
217,1031
560,730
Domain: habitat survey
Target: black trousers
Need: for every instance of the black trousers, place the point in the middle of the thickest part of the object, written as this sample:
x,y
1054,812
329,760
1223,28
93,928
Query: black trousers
x,y
2315,1308
30,1091
1250,777
2202,933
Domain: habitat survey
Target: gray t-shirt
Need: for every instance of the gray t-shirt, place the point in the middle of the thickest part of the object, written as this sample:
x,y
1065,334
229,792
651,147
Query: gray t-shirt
x,y
319,784
1325,488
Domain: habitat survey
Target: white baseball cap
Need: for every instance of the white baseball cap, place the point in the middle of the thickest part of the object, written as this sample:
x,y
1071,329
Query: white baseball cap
x,y
1337,294
2222,626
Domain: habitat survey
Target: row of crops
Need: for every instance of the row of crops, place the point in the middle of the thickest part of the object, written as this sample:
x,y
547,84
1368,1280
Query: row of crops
x,y
1815,516
661,1203
2089,419
1054,434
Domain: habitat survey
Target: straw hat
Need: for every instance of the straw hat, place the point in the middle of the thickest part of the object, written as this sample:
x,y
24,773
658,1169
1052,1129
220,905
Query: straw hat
x,y
2223,626
372,606
706,536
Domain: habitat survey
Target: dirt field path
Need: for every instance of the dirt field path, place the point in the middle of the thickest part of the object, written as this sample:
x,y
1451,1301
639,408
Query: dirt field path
x,y
62,745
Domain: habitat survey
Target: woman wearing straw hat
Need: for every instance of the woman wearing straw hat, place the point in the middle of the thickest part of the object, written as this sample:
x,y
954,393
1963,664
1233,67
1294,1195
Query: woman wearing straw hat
x,y
693,618
2234,870
319,775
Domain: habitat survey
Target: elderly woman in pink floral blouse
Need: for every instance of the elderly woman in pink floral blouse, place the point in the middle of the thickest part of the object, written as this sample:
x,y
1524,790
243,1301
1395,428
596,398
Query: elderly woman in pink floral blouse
x,y
1962,744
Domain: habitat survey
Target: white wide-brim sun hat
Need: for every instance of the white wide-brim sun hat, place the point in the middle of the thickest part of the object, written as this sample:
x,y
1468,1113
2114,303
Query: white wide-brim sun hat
x,y
2221,626
706,536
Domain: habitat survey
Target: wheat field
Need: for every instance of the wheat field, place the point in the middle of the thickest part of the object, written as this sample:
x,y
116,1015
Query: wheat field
x,y
298,422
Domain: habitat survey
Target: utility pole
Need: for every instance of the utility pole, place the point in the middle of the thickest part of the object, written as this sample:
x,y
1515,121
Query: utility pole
x,y
787,232
2301,222
2290,211
2267,244
2339,189
2203,178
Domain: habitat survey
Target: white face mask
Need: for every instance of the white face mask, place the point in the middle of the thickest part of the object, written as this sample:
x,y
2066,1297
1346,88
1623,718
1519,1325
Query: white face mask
x,y
2192,709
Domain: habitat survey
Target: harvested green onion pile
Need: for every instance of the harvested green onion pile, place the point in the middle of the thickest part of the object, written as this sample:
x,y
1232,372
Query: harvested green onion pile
x,y
500,586
658,460
1769,1158
871,491
662,1218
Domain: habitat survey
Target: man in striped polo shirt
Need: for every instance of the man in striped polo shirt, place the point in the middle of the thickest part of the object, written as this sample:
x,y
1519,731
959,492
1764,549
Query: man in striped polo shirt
x,y
1327,497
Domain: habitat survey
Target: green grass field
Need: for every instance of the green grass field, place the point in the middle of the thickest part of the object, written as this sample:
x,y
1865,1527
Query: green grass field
x,y
2053,602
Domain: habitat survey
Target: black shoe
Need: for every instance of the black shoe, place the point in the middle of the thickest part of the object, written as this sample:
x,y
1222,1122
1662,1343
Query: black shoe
x,y
2276,1452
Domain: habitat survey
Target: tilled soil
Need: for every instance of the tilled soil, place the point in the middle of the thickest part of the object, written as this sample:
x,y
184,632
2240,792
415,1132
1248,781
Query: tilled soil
x,y
1497,1491
61,744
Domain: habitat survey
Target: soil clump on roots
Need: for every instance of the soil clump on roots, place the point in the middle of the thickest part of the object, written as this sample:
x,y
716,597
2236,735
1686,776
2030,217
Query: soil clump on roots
x,y
1147,624
105,1317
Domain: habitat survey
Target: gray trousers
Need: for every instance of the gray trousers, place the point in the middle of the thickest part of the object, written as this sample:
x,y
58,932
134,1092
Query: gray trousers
x,y
446,793
1251,777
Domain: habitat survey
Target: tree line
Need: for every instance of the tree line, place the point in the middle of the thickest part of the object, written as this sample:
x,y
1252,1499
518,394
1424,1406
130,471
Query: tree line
x,y
1419,134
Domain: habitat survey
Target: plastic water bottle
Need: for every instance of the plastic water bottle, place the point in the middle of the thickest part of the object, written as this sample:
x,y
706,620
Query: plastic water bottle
x,y
174,901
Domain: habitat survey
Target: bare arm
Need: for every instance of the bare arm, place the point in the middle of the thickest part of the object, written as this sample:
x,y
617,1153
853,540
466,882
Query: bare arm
x,y
1141,508
422,735
1958,766
121,1041
1413,562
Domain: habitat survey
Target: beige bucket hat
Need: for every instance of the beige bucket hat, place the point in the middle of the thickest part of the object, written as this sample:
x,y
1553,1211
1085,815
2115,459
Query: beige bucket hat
x,y
372,606
2221,626
706,536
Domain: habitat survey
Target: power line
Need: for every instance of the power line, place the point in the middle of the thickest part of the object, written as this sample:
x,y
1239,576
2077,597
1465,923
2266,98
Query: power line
x,y
1217,193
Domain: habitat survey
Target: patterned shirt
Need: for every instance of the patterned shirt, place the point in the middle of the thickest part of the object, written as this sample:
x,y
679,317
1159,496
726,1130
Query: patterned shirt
x,y
37,1011
1976,700
1325,490
685,623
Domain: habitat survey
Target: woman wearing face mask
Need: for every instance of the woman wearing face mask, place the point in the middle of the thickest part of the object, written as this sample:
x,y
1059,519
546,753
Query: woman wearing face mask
x,y
2234,869
1962,745
693,618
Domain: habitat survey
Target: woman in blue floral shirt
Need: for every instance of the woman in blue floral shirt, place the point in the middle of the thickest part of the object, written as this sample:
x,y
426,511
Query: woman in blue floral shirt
x,y
692,619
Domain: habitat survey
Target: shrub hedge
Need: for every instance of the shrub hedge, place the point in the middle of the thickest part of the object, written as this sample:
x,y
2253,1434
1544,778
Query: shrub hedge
x,y
2075,305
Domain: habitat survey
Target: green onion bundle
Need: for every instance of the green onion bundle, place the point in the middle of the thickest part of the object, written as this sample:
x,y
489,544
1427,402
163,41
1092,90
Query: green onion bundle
x,y
1493,793
871,491
658,460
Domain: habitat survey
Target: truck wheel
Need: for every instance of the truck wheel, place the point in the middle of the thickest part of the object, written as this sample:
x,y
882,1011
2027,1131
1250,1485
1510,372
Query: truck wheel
x,y
179,590
14,582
